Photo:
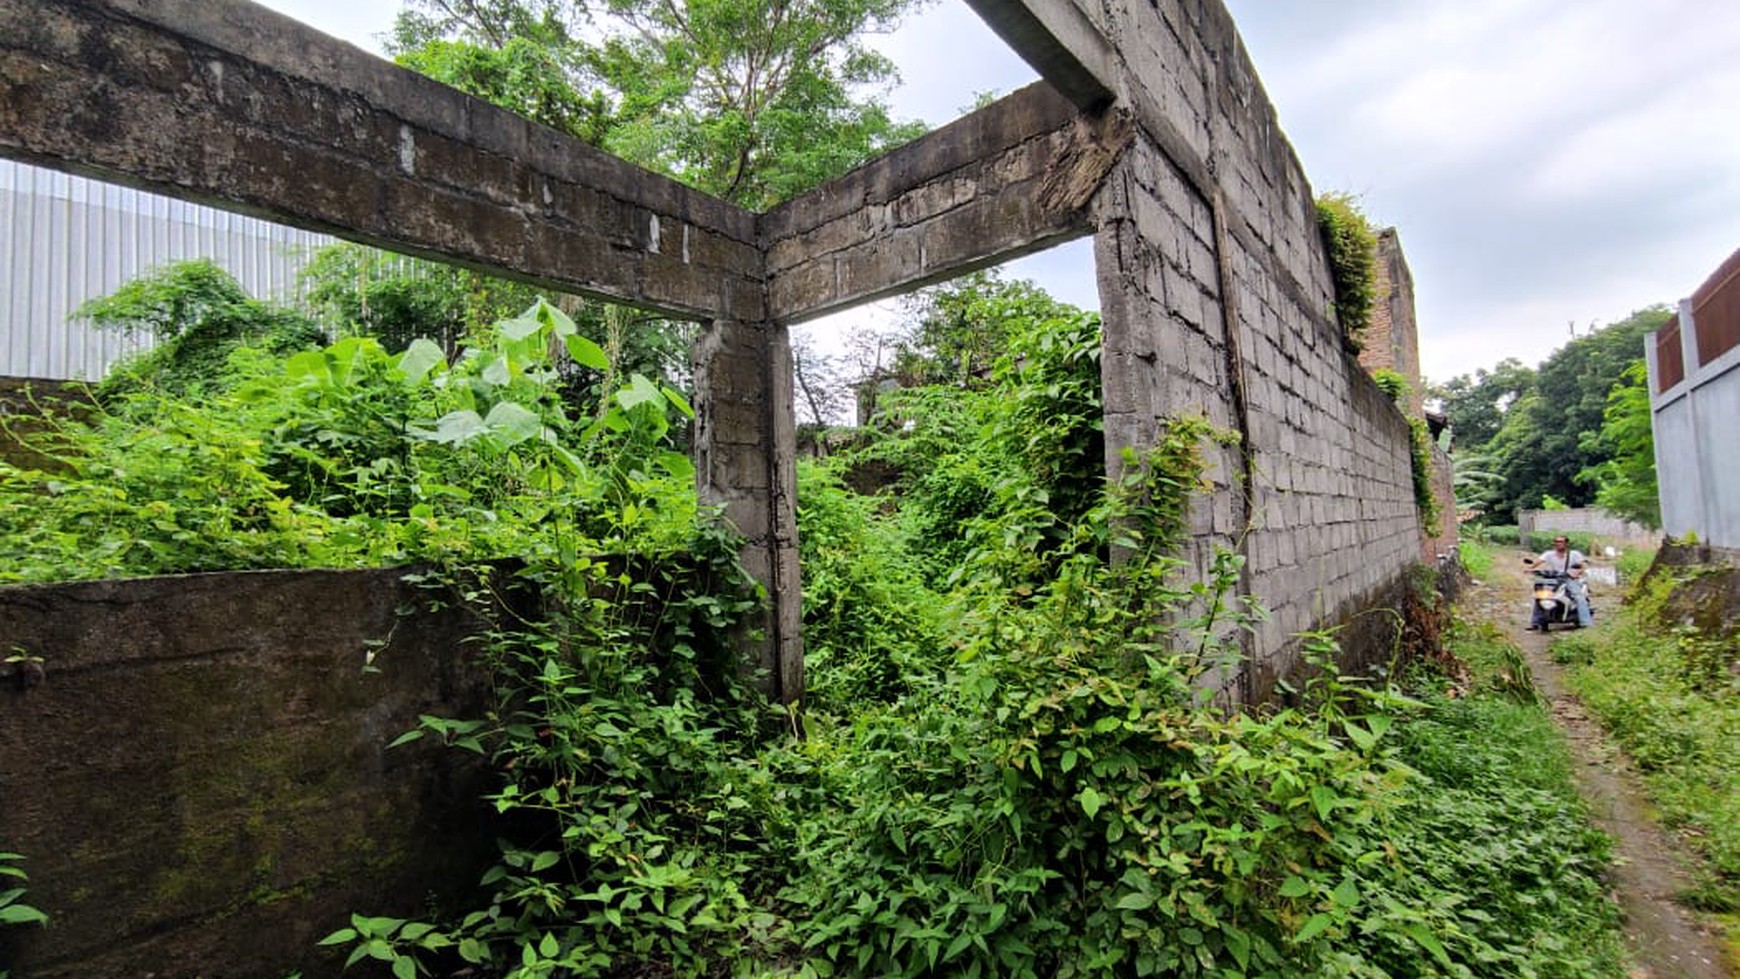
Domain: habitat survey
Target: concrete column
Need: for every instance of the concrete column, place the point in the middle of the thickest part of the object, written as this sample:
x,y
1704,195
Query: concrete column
x,y
745,464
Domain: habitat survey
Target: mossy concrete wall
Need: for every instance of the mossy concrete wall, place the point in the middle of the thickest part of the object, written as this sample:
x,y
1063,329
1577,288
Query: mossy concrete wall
x,y
197,771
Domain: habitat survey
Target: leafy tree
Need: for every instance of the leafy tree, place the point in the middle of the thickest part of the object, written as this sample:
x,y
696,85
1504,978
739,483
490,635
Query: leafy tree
x,y
1477,404
1542,447
1626,483
752,100
965,325
197,314
397,299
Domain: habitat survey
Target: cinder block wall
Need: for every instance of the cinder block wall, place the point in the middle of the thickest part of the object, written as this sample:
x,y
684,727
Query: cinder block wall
x,y
1215,290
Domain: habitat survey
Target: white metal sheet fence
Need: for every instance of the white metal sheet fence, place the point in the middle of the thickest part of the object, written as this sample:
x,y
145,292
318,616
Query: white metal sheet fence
x,y
65,239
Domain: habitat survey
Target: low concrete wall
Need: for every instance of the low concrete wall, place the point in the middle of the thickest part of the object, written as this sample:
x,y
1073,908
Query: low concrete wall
x,y
1603,527
197,769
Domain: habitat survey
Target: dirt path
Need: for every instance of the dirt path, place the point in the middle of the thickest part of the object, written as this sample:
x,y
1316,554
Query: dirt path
x,y
1666,940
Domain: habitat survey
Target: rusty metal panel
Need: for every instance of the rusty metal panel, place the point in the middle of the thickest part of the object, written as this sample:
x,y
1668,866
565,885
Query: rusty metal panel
x,y
1716,312
1669,358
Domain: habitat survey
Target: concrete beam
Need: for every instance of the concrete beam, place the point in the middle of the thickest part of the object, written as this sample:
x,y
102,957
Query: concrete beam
x,y
1061,43
227,103
1008,180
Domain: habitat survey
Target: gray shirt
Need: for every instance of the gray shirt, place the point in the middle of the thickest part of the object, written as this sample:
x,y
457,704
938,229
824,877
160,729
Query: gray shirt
x,y
1551,561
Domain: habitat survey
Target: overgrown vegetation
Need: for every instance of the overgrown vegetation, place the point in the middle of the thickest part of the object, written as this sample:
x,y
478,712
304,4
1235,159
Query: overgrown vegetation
x,y
13,910
1009,768
1419,448
1669,692
1351,243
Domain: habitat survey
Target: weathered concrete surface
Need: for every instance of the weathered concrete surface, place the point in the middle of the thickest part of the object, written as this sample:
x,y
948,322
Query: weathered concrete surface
x,y
230,104
1392,340
745,464
1010,179
197,769
1212,276
1214,286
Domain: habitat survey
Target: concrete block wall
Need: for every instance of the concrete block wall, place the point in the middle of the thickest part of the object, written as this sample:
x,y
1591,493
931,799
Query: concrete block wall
x,y
1392,340
1214,290
196,769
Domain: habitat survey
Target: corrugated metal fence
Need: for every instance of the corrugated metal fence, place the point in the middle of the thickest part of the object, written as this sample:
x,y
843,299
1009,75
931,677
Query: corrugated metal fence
x,y
64,240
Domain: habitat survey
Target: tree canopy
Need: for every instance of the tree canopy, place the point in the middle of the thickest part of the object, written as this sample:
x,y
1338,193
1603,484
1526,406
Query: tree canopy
x,y
752,100
1541,429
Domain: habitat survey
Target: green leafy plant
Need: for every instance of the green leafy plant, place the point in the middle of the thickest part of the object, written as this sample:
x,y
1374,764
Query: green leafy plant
x,y
1351,245
13,910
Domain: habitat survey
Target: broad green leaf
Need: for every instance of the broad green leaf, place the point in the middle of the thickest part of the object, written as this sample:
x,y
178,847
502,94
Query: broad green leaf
x,y
676,398
420,358
307,364
1324,798
557,320
497,372
512,423
678,465
1135,901
1294,887
519,329
404,968
1091,801
406,738
456,428
545,860
1427,941
640,391
21,914
1312,927
1346,893
339,937
586,353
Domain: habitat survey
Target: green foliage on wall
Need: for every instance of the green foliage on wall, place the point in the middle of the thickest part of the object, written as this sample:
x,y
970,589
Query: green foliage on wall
x,y
1351,244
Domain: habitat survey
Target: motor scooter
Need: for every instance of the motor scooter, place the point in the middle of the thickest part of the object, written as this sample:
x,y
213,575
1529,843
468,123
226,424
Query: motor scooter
x,y
1556,596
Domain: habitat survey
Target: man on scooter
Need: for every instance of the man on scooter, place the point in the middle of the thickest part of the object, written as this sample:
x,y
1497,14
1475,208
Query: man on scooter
x,y
1561,560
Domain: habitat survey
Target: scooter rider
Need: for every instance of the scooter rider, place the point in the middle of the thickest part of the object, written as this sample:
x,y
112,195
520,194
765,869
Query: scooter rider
x,y
1561,560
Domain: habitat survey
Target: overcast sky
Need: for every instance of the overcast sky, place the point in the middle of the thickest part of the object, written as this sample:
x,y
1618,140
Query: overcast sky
x,y
1547,162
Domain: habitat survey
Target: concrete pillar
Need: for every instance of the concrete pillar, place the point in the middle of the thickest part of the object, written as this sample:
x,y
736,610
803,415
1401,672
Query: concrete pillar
x,y
745,464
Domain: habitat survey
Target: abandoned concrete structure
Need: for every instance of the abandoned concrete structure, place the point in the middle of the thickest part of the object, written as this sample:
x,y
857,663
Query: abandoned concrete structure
x,y
1150,132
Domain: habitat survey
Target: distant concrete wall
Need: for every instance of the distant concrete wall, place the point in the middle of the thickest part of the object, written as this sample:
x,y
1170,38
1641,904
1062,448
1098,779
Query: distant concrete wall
x,y
197,771
65,240
1605,527
1392,340
1694,384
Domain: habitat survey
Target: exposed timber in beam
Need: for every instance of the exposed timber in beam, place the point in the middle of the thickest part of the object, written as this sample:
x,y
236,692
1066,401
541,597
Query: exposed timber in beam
x,y
227,103
1010,179
1061,43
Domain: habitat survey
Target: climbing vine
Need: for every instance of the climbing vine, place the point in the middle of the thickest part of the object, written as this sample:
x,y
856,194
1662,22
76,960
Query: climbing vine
x,y
1351,244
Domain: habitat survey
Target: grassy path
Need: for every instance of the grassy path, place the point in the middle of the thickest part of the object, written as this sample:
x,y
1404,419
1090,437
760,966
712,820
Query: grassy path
x,y
1666,940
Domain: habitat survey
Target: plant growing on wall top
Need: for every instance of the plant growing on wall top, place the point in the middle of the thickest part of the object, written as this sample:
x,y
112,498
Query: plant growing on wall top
x,y
1351,244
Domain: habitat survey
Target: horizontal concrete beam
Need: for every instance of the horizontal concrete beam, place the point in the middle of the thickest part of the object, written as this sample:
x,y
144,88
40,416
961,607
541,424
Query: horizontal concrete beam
x,y
1060,42
227,103
1008,180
